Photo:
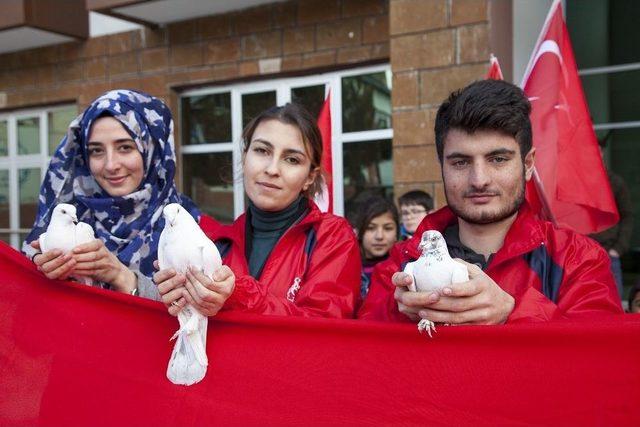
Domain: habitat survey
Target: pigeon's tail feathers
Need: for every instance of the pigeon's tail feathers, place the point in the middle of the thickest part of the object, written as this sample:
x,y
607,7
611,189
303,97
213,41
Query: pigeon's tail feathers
x,y
460,273
86,281
188,363
184,367
409,270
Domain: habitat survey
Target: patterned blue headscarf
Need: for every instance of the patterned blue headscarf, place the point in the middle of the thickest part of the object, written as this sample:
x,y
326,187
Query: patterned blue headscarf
x,y
130,226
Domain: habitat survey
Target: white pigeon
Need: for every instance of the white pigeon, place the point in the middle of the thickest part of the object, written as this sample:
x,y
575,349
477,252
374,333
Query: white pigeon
x,y
434,270
182,245
64,232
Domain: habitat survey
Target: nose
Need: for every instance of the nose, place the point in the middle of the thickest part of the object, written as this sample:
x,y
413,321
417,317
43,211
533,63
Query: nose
x,y
378,235
272,168
479,176
113,162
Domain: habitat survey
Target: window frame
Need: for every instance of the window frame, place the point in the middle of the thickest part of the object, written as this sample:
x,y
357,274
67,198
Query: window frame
x,y
13,162
282,87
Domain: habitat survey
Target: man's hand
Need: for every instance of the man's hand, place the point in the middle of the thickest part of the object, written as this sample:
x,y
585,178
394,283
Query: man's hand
x,y
478,301
410,303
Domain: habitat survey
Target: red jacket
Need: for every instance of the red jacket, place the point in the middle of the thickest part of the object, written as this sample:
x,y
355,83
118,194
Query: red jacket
x,y
551,272
314,269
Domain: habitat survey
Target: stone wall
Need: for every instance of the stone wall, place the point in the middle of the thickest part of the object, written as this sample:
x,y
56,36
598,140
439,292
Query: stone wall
x,y
437,46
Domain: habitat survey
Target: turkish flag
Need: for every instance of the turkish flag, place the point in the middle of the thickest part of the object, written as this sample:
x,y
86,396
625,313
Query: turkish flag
x,y
495,72
571,176
324,200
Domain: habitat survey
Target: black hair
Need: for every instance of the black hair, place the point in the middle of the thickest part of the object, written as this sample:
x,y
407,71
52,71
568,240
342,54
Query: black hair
x,y
372,208
493,105
416,197
298,116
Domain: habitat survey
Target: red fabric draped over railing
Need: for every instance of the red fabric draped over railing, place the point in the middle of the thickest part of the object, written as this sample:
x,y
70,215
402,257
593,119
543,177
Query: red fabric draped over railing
x,y
73,355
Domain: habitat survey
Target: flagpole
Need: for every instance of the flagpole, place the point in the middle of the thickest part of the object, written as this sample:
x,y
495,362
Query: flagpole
x,y
543,197
545,27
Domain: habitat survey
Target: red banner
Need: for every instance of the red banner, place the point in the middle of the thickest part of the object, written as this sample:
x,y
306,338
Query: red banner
x,y
73,355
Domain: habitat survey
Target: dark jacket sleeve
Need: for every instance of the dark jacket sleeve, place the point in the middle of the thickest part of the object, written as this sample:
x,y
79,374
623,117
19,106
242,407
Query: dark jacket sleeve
x,y
588,288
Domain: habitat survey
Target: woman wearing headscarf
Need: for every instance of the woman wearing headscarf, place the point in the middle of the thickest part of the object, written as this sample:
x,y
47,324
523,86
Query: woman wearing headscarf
x,y
116,165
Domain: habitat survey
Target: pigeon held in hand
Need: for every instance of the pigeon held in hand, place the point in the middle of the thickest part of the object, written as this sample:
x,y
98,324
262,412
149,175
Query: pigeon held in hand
x,y
64,232
434,270
182,245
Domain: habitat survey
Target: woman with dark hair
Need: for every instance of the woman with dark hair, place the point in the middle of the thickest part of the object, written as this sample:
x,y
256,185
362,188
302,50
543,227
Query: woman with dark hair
x,y
116,165
377,228
288,258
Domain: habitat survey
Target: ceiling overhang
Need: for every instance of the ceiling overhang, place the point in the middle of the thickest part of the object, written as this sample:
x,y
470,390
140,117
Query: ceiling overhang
x,y
27,24
155,13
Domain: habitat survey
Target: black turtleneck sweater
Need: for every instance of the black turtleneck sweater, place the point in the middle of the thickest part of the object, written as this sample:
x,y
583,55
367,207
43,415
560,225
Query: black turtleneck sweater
x,y
264,229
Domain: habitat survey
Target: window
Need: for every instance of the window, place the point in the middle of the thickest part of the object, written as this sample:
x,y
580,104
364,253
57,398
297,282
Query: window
x,y
213,118
27,140
604,34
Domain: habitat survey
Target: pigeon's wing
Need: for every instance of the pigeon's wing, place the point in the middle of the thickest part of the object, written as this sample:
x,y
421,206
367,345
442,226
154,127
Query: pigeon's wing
x,y
210,257
84,233
460,273
163,262
409,270
44,247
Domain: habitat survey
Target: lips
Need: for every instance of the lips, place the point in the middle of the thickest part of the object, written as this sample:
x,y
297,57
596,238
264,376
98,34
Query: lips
x,y
116,180
481,198
268,185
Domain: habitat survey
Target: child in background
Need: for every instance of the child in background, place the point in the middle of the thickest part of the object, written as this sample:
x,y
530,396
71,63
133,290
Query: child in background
x,y
414,206
377,229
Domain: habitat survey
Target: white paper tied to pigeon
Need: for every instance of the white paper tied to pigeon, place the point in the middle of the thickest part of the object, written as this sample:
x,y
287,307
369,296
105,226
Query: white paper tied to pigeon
x,y
182,245
434,270
64,232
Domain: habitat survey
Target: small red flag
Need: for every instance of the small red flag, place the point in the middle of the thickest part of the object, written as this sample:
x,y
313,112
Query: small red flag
x,y
324,199
571,176
494,72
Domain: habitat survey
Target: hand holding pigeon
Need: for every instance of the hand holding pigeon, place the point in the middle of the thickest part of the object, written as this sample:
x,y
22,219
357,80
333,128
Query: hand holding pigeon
x,y
63,234
434,270
185,248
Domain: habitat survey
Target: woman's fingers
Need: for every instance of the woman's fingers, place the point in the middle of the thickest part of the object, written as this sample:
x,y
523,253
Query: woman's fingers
x,y
169,297
61,271
163,275
174,282
48,264
92,246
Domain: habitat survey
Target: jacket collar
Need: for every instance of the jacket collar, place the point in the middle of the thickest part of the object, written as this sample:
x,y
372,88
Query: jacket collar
x,y
525,234
236,232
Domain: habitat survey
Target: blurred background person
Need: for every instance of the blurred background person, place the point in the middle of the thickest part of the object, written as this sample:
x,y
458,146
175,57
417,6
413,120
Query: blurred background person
x,y
377,229
615,240
414,206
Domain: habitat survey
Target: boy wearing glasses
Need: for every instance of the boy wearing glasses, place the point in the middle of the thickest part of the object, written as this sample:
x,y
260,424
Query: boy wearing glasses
x,y
414,206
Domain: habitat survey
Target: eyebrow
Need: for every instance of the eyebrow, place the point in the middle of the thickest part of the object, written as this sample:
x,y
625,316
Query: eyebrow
x,y
117,141
287,151
500,151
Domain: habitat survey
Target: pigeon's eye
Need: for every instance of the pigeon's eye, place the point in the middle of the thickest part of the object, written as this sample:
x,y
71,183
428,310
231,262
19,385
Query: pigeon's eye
x,y
63,211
